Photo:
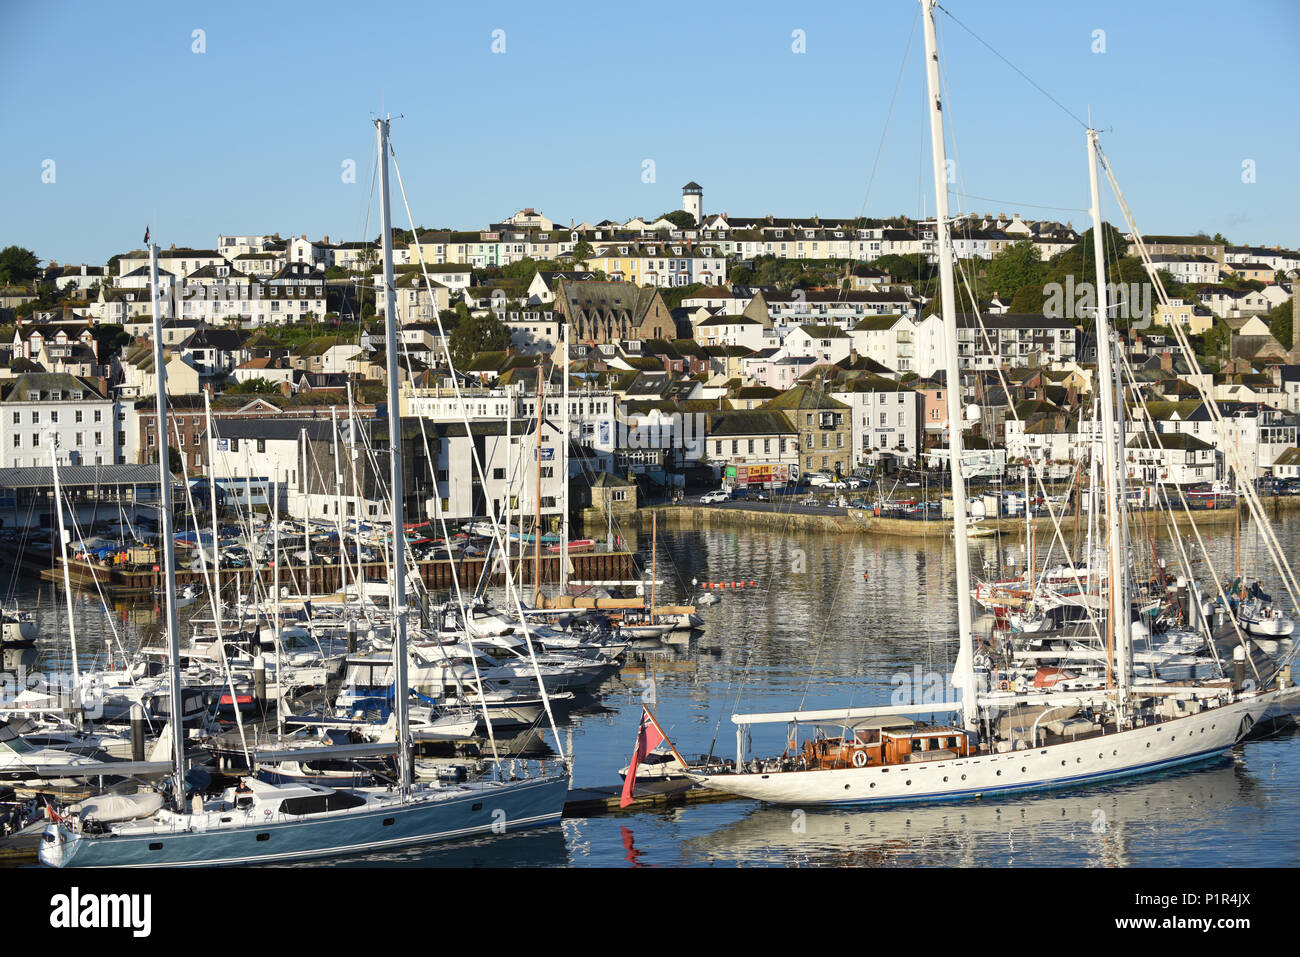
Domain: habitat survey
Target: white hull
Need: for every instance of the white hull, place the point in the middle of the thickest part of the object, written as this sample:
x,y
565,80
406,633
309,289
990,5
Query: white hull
x,y
1139,751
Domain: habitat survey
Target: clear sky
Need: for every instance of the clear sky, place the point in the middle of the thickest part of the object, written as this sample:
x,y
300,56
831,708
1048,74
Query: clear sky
x,y
113,103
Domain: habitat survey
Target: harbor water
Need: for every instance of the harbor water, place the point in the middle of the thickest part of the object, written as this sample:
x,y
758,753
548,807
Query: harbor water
x,y
835,621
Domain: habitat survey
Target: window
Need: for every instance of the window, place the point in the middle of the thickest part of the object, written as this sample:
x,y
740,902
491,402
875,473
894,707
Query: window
x,y
261,445
498,473
76,416
18,441
36,416
234,445
16,417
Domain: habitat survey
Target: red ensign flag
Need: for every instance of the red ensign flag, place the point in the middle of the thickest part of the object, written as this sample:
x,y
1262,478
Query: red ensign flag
x,y
648,737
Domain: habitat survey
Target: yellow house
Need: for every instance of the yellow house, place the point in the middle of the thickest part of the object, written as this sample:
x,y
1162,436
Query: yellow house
x,y
1183,313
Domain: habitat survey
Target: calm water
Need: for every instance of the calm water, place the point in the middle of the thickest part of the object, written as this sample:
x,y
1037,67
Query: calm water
x,y
815,631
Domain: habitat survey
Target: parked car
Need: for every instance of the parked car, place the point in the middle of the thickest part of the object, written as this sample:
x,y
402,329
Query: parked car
x,y
818,479
712,498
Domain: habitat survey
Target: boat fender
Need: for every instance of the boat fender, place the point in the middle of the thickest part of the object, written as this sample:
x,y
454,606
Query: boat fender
x,y
1004,685
860,759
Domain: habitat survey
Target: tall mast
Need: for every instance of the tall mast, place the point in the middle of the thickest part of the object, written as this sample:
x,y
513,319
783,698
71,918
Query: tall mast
x,y
165,531
1116,634
67,572
537,530
338,506
564,465
400,687
963,673
304,488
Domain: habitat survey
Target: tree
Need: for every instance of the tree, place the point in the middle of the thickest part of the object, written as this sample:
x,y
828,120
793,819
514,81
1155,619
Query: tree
x,y
903,268
175,465
582,252
17,265
1280,319
109,338
484,333
257,386
679,218
1016,266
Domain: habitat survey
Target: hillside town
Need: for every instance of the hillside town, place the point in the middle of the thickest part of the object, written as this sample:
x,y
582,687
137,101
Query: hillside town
x,y
703,349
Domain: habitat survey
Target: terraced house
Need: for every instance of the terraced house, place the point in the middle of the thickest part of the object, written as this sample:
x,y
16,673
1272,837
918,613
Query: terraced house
x,y
824,425
662,264
763,442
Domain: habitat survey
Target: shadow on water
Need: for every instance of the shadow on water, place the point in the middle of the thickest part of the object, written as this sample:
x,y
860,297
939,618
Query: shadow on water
x,y
535,847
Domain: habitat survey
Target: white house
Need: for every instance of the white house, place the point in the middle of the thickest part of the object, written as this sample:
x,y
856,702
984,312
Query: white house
x,y
80,417
886,418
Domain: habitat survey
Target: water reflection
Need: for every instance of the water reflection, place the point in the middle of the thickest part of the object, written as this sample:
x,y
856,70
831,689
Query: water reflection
x,y
1092,826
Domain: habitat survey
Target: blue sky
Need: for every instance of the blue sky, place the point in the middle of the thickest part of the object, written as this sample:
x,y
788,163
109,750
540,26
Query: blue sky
x,y
251,135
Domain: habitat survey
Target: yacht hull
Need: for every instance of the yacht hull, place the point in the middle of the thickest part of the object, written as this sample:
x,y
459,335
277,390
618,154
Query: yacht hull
x,y
1168,744
480,809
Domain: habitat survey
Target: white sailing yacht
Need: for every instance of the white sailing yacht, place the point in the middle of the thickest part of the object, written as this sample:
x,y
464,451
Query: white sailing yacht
x,y
259,821
1039,739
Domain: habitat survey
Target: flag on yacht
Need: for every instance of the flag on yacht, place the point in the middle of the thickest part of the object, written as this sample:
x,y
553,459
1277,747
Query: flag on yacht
x,y
648,737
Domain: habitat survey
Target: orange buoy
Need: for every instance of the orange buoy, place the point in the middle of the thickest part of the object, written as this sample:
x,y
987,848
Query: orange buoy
x,y
751,584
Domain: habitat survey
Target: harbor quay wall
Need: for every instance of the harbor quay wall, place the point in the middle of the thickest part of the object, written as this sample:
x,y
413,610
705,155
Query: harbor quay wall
x,y
855,521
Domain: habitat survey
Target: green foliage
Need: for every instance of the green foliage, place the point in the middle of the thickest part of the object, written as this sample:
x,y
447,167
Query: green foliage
x,y
905,268
679,218
474,334
109,338
1015,267
1280,319
673,295
582,252
17,265
175,465
253,387
1215,340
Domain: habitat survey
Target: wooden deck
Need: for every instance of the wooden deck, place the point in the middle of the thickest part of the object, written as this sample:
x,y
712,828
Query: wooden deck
x,y
119,581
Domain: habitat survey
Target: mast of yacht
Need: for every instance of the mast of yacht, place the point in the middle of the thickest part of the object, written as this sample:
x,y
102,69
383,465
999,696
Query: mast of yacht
x,y
304,487
338,505
510,477
537,529
564,465
165,533
1118,634
67,575
400,687
963,673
